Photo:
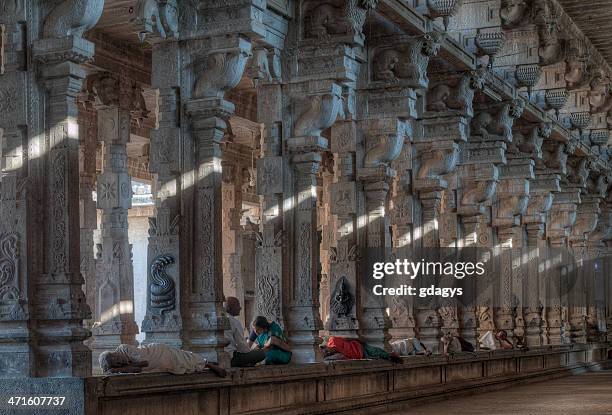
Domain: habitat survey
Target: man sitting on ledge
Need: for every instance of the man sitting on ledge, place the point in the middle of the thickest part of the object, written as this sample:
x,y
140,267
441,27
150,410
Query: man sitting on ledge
x,y
340,348
155,357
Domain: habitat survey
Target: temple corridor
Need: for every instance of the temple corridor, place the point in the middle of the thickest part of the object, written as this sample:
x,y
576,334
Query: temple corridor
x,y
587,393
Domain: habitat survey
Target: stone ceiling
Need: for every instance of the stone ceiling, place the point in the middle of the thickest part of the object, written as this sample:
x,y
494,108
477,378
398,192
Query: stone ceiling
x,y
594,18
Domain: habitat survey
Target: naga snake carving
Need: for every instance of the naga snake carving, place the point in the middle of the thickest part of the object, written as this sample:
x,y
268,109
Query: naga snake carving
x,y
163,297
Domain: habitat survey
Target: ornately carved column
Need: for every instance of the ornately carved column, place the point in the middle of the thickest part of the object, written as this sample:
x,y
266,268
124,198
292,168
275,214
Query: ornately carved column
x,y
60,302
232,230
21,172
115,101
345,284
163,322
542,190
319,111
271,254
205,322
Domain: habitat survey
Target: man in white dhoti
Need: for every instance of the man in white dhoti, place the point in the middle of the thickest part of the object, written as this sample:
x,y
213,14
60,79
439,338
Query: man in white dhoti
x,y
155,357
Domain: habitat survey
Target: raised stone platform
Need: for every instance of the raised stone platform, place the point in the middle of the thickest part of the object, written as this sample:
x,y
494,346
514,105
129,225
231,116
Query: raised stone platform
x,y
339,387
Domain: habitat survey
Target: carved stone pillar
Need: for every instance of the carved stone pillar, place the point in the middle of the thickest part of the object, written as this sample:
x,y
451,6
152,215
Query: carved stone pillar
x,y
60,302
205,322
477,180
270,272
402,215
586,222
232,231
20,174
344,282
385,139
319,111
88,212
114,315
163,321
438,155
542,190
374,322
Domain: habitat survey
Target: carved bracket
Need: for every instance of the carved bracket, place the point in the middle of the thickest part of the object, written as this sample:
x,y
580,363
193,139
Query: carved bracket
x,y
401,61
221,67
454,95
497,126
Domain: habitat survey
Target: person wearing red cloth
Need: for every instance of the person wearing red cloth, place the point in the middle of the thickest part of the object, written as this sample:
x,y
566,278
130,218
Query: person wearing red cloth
x,y
340,348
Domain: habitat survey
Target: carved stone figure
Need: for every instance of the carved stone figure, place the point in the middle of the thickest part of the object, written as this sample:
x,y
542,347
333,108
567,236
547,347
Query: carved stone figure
x,y
161,289
341,301
72,18
490,126
512,12
407,61
459,97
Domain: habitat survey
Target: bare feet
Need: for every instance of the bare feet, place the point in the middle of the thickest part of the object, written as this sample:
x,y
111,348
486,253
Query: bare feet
x,y
217,370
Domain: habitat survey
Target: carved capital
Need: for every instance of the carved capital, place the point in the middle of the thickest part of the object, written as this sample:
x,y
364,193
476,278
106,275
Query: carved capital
x,y
477,186
497,125
555,157
221,67
324,22
587,216
542,190
579,171
455,94
562,214
401,61
385,139
156,20
435,160
530,141
72,18
318,104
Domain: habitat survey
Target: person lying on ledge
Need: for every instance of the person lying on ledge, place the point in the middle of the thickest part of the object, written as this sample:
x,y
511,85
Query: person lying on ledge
x,y
502,338
270,337
340,348
155,357
455,344
488,341
409,347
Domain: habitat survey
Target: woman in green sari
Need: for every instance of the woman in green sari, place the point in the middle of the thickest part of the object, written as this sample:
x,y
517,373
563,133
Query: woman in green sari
x,y
271,339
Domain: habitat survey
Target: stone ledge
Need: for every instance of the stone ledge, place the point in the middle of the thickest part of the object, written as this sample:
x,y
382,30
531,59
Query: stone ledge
x,y
336,387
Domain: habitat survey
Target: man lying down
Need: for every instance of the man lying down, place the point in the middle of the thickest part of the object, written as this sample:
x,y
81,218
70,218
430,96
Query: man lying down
x,y
155,357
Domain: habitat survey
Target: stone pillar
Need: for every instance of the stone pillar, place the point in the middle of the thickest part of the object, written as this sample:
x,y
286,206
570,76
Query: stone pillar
x,y
208,112
586,222
163,321
542,190
304,319
344,282
232,230
401,207
512,201
88,213
21,171
438,155
61,306
114,314
561,217
271,276
385,139
477,180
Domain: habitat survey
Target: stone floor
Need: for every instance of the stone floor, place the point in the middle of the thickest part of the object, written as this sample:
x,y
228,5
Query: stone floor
x,y
585,394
